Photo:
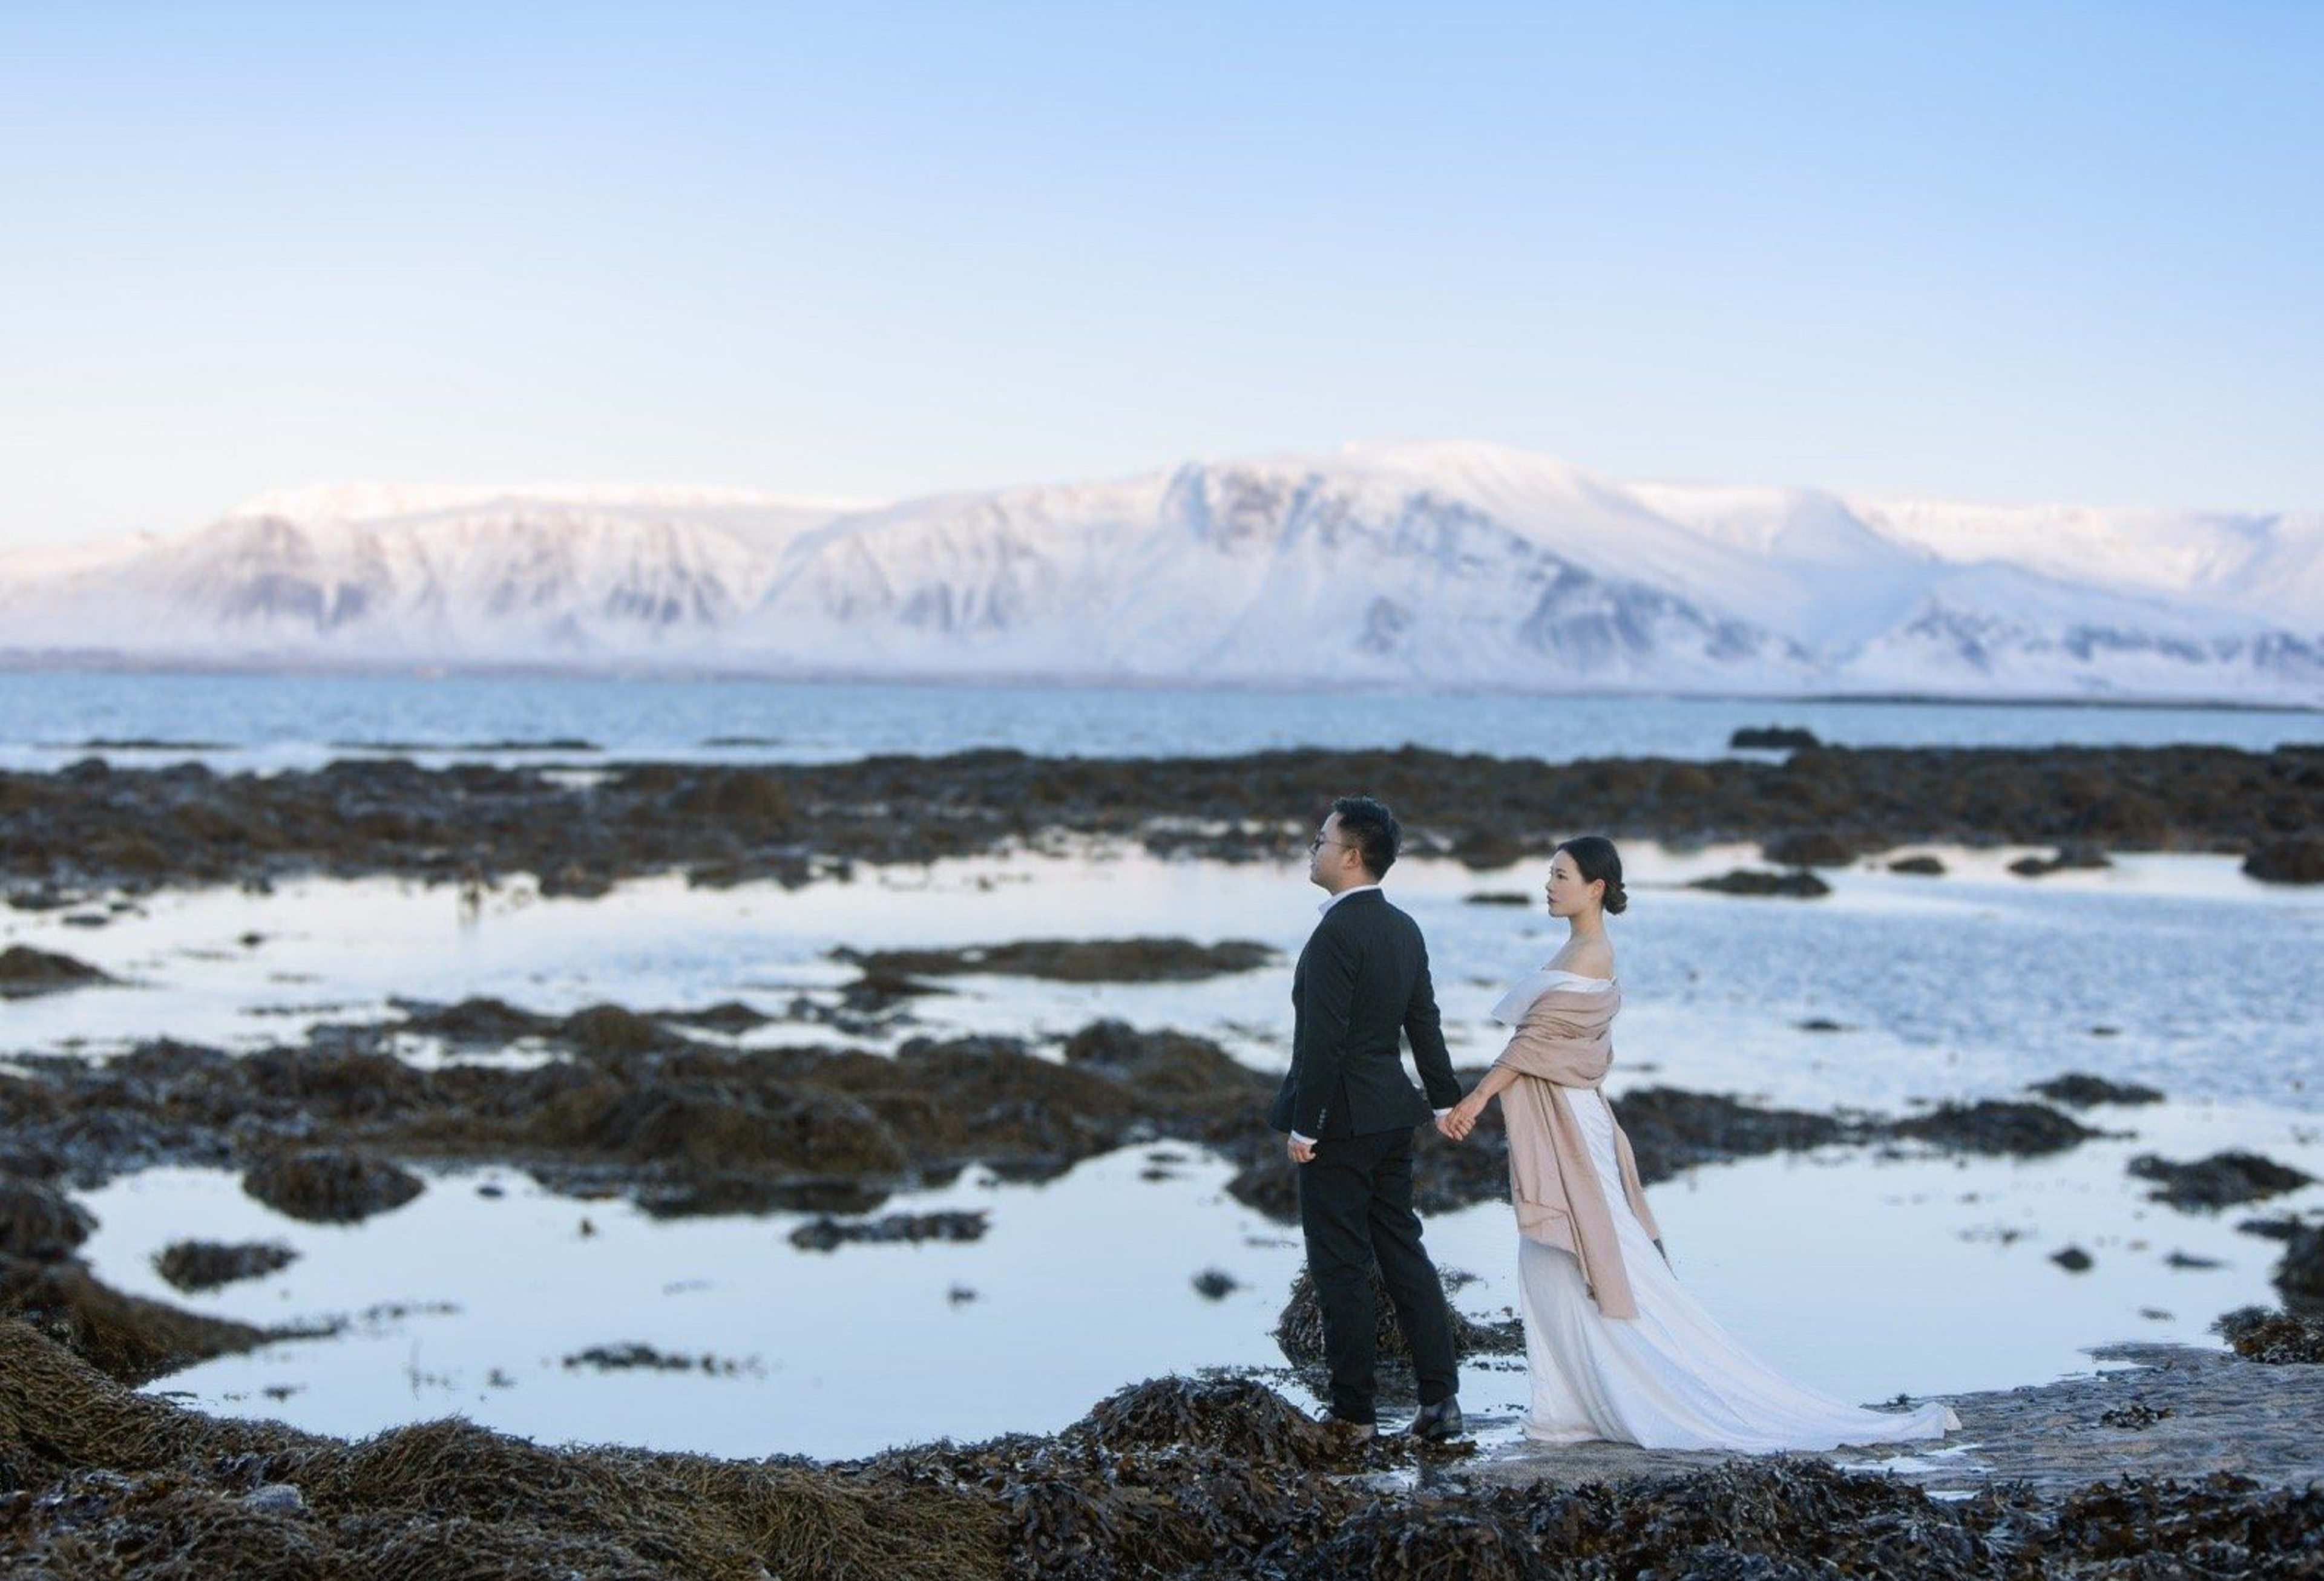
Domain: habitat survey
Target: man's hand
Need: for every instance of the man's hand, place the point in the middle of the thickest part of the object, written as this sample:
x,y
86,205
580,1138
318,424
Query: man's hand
x,y
1301,1152
1458,1121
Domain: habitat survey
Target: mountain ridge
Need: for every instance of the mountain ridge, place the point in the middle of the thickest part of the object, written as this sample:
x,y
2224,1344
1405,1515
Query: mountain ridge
x,y
1438,564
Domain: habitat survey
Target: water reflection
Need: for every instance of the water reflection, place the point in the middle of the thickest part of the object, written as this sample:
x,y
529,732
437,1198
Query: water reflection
x,y
1864,1274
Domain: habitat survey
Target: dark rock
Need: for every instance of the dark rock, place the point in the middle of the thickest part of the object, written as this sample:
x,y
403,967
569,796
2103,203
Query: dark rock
x,y
1228,1416
2073,1260
126,1338
1924,867
731,1017
1672,1129
2223,1179
331,1185
1078,961
2135,1415
25,971
1772,737
1809,847
198,1265
482,1022
635,1357
2297,860
1820,1023
606,1031
2083,1091
1216,1284
2299,1275
1798,885
575,881
2273,1337
39,1222
2270,1230
827,1234
1500,897
2188,1260
2075,855
1299,1330
2025,1130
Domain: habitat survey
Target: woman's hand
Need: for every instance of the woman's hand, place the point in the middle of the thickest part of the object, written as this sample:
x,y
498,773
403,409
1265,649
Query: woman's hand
x,y
1457,1122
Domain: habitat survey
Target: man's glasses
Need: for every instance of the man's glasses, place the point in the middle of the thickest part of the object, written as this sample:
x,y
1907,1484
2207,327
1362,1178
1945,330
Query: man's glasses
x,y
1319,843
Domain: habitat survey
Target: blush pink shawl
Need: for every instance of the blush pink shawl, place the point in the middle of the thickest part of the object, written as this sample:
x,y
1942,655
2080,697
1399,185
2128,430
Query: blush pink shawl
x,y
1564,1039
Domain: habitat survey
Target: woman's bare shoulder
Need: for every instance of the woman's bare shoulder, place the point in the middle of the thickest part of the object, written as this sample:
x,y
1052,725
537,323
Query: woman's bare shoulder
x,y
1594,958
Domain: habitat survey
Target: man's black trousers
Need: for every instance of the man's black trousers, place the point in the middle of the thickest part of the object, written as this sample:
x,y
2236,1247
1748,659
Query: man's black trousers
x,y
1355,1205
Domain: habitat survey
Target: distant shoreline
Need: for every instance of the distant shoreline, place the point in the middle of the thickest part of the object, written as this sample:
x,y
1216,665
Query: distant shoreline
x,y
20,663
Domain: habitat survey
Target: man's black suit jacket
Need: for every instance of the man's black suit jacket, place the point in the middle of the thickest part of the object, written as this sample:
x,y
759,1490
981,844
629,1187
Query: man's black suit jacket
x,y
1362,980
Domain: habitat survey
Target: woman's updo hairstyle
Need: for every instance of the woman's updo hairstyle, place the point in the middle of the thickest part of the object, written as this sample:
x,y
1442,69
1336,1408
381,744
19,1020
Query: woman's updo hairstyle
x,y
1595,855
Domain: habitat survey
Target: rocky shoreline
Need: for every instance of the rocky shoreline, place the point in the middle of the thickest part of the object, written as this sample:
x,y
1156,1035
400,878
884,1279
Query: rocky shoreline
x,y
91,828
639,1104
1174,1477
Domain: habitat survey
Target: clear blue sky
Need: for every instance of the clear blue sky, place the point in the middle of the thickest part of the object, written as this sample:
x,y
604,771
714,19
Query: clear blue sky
x,y
1996,251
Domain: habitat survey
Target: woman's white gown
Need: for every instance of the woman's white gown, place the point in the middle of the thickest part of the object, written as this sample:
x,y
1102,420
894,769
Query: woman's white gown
x,y
1670,1378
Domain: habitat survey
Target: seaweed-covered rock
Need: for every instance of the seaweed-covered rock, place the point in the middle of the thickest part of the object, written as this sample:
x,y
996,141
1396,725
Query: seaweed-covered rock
x,y
1920,867
331,1185
826,1234
1077,960
200,1265
730,1016
1798,884
2273,1337
2069,857
25,971
1809,847
2025,1130
482,1022
1231,1416
1778,738
2299,859
1672,1129
127,1337
609,1031
2223,1179
40,1222
2083,1091
2299,1275
1299,1330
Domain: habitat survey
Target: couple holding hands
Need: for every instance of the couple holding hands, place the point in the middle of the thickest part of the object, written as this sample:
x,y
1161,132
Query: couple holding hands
x,y
1616,1348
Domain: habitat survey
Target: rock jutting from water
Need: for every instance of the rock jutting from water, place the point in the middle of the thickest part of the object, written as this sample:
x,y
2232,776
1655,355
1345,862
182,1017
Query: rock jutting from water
x,y
330,1185
1797,884
824,1233
1299,1327
194,1266
2223,1179
1071,960
2082,1090
2276,1338
25,971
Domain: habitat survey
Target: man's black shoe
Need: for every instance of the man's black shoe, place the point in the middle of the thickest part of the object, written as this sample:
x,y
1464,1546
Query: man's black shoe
x,y
1439,1422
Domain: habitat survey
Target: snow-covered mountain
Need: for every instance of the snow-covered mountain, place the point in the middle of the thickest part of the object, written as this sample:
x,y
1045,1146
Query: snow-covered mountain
x,y
1452,565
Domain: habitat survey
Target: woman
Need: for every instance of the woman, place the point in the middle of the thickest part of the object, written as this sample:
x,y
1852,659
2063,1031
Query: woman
x,y
1617,1348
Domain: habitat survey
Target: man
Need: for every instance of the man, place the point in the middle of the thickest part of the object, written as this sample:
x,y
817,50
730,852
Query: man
x,y
1349,1112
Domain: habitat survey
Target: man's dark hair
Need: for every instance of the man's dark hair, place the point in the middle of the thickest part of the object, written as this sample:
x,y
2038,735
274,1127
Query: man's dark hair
x,y
1372,830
